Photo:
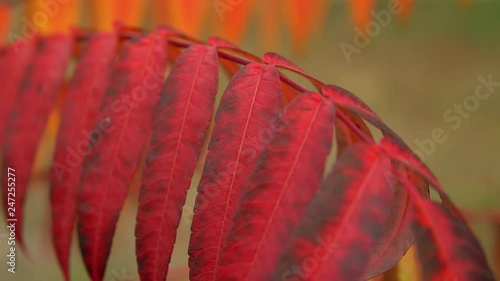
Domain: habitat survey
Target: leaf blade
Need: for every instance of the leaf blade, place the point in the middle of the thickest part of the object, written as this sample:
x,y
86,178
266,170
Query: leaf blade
x,y
355,190
252,98
286,183
124,126
447,248
12,69
189,92
85,92
36,98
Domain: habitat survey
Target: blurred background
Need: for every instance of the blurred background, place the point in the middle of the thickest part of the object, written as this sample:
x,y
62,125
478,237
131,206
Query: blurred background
x,y
416,63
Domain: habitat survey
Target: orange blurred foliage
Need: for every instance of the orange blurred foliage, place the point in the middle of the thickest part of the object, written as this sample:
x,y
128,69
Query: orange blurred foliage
x,y
51,16
361,12
5,20
228,19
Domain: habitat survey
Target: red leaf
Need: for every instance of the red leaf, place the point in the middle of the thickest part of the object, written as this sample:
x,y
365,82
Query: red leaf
x,y
181,120
345,136
223,44
409,159
344,221
351,106
281,62
286,179
398,235
229,66
36,98
351,102
116,145
400,153
13,66
243,126
85,92
446,247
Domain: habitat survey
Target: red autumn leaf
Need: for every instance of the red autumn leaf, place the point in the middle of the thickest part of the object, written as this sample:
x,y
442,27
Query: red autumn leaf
x,y
345,136
355,105
279,190
353,108
281,62
344,221
230,67
36,98
223,44
447,248
126,117
399,152
181,121
13,66
85,92
408,158
398,235
243,126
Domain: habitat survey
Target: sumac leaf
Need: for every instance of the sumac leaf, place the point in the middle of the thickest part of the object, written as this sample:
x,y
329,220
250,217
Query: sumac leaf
x,y
398,235
36,98
447,248
275,198
400,153
227,46
345,136
396,238
355,105
181,120
244,122
79,115
116,143
281,62
13,66
344,221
